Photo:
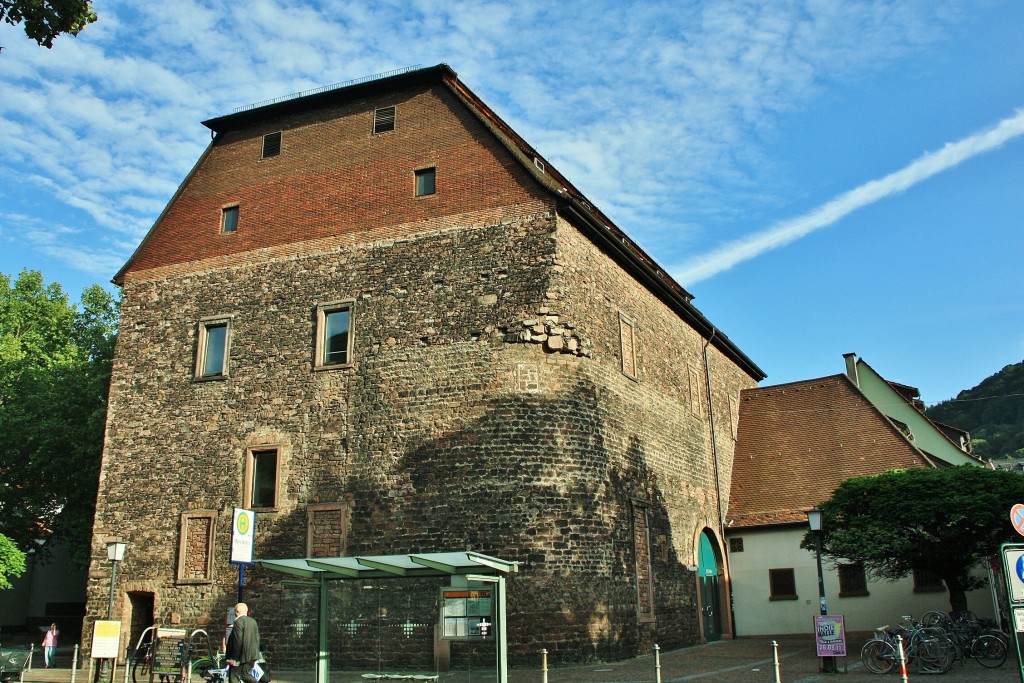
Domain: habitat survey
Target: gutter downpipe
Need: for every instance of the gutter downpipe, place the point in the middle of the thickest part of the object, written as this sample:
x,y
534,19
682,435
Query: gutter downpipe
x,y
726,587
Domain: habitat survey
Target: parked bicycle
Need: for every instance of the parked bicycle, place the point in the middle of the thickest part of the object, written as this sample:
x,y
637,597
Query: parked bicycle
x,y
976,638
929,649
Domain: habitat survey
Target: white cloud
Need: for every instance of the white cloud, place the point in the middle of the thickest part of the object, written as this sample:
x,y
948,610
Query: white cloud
x,y
951,155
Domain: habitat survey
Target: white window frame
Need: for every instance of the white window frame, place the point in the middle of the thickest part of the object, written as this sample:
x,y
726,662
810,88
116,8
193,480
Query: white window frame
x,y
322,311
202,335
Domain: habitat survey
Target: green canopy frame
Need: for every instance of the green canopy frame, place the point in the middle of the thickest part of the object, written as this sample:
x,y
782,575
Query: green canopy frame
x,y
473,566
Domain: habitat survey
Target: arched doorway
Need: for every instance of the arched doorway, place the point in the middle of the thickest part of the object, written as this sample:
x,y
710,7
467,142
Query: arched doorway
x,y
709,586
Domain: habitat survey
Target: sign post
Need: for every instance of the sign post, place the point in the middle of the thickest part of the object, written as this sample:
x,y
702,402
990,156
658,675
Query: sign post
x,y
243,541
1013,573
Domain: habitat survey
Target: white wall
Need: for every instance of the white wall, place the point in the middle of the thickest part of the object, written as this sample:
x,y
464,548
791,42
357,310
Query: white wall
x,y
779,549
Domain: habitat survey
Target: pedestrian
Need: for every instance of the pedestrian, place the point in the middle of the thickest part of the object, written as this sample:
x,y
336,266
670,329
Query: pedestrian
x,y
243,648
50,645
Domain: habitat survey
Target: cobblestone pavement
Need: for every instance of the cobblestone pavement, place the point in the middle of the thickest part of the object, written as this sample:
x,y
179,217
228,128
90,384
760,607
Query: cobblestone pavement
x,y
745,660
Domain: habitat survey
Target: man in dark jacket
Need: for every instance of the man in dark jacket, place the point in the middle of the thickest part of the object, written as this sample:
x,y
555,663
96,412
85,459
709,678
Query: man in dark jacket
x,y
243,646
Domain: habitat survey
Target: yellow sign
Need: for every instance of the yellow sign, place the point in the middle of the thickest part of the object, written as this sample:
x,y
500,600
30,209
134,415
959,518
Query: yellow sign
x,y
106,636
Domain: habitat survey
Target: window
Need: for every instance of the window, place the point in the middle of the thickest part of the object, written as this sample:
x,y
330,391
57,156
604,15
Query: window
x,y
735,545
326,529
383,120
627,345
195,546
271,144
852,580
782,583
334,335
425,182
642,556
262,471
212,350
927,582
229,219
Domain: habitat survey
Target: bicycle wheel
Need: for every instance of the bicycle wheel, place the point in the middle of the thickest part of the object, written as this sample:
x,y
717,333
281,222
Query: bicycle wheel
x,y
989,650
878,656
935,618
140,670
201,667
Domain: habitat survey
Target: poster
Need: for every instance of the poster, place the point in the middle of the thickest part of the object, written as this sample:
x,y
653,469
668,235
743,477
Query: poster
x,y
830,635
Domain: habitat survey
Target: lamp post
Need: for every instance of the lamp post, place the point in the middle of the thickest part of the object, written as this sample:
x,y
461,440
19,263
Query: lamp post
x,y
115,553
828,664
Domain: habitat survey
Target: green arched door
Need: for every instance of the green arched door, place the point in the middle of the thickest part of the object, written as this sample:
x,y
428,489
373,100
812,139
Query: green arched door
x,y
710,590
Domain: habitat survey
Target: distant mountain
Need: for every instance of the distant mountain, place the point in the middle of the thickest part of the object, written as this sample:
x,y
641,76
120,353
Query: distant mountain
x,y
993,412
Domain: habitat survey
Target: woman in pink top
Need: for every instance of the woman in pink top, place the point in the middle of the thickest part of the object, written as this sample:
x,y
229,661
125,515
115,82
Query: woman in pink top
x,y
50,644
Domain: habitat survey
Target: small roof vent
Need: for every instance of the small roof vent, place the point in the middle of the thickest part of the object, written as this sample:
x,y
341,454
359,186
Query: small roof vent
x,y
271,144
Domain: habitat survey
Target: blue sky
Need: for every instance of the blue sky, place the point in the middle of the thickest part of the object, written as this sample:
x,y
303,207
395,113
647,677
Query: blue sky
x,y
825,177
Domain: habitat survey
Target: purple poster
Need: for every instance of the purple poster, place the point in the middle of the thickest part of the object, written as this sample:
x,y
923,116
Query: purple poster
x,y
830,635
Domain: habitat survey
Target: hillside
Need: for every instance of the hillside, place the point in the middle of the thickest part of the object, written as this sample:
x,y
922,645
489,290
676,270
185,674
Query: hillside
x,y
993,412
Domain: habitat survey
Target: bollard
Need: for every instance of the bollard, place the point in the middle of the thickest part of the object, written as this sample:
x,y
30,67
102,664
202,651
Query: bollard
x,y
127,664
775,656
903,660
657,664
544,665
74,663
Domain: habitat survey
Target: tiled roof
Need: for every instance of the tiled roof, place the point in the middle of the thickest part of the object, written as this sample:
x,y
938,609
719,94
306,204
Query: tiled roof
x,y
797,442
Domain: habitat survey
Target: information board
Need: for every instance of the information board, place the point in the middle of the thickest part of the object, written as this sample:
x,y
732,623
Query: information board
x,y
106,637
1013,573
167,654
466,613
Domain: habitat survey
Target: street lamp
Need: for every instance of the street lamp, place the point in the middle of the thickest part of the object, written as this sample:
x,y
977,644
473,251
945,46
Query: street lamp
x,y
828,664
115,553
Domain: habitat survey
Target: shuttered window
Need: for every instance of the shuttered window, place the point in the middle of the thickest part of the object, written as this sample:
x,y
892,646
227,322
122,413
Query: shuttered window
x,y
271,144
383,120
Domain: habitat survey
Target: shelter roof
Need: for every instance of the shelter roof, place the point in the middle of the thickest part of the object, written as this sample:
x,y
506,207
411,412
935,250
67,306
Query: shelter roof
x,y
413,565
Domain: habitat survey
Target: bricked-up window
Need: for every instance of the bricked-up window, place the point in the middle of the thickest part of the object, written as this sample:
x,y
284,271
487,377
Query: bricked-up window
x,y
262,475
782,583
426,182
695,387
852,580
734,417
326,529
334,335
627,345
195,546
229,219
642,555
214,341
271,144
383,120
927,582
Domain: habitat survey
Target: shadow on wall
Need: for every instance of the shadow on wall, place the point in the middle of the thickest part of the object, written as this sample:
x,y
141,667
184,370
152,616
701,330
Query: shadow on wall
x,y
550,483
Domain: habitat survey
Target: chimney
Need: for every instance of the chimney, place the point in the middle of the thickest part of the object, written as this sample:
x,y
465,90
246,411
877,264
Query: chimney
x,y
851,368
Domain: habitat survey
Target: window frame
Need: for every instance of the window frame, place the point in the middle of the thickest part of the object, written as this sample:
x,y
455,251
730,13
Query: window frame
x,y
249,479
202,347
920,586
211,536
628,363
859,582
772,584
225,211
320,346
313,510
425,172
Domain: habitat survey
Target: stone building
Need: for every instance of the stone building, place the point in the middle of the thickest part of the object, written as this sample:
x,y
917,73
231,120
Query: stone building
x,y
380,319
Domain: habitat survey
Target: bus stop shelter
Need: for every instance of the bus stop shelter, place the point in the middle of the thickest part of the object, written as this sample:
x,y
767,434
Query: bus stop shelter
x,y
473,566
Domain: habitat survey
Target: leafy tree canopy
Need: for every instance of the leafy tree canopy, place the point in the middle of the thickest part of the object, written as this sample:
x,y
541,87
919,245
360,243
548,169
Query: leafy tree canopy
x,y
993,412
944,521
55,362
12,561
44,20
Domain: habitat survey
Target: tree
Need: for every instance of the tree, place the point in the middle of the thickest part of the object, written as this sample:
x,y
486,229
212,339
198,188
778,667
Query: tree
x,y
12,561
944,521
44,20
55,362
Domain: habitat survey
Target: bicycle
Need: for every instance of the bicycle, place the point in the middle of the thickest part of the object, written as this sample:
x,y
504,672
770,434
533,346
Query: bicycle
x,y
929,648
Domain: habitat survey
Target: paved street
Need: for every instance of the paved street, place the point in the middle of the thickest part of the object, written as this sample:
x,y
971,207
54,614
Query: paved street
x,y
746,660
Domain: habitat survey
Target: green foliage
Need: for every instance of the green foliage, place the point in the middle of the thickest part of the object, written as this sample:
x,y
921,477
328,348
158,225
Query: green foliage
x,y
44,20
945,521
993,412
12,561
55,362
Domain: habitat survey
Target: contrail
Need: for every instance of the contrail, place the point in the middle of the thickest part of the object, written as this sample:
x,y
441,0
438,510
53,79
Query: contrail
x,y
784,232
